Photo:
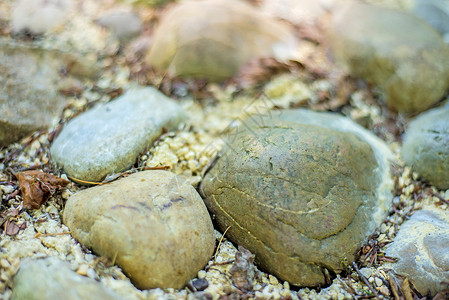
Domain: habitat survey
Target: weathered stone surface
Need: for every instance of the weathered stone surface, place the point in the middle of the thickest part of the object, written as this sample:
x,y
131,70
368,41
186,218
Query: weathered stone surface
x,y
421,247
28,97
399,54
436,13
40,16
124,24
52,279
302,191
425,147
214,38
108,138
153,223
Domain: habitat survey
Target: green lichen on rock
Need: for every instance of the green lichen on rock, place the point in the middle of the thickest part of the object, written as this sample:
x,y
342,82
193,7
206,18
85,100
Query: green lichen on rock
x,y
398,54
425,146
302,197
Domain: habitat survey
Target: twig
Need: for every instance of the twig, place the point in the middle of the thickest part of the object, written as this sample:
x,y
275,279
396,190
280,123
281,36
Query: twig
x,y
348,288
13,194
50,234
219,264
116,176
365,280
439,197
114,259
387,258
221,239
86,182
156,168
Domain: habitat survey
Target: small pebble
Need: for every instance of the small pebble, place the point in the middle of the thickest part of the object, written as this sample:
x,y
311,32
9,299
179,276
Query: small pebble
x,y
273,280
384,290
367,272
91,273
202,274
200,284
378,282
82,270
4,263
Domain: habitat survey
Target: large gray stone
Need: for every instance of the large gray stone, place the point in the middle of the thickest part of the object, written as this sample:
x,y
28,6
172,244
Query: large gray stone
x,y
124,24
422,249
108,138
213,39
52,279
28,90
301,190
153,224
425,147
435,12
395,50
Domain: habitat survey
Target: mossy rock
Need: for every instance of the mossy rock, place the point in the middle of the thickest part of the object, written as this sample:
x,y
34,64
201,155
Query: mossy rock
x,y
425,146
302,197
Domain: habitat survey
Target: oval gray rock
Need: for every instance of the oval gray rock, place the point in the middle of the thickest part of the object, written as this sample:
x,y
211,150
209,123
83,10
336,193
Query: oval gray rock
x,y
153,224
421,248
108,138
399,54
52,279
28,99
302,190
425,147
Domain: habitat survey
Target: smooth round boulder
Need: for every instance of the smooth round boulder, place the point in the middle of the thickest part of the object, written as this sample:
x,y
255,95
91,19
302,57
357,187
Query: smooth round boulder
x,y
213,39
56,281
395,50
421,249
108,138
153,224
425,147
301,190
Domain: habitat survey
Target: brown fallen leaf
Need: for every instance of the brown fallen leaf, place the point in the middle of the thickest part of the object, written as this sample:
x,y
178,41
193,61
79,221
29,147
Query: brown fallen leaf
x,y
37,186
11,228
243,271
261,69
407,290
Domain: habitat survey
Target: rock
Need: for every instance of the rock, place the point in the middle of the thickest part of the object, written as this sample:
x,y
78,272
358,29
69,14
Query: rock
x,y
215,38
425,146
108,138
39,16
295,11
52,279
153,224
301,190
421,247
399,54
28,100
434,12
124,24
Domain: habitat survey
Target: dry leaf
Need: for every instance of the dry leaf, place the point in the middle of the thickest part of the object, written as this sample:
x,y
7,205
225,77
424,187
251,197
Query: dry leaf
x,y
243,270
406,290
37,186
11,228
